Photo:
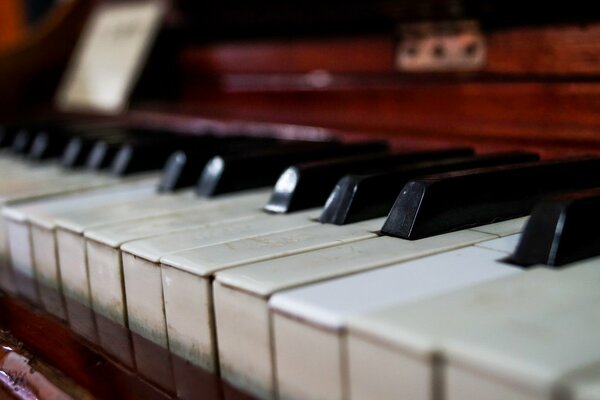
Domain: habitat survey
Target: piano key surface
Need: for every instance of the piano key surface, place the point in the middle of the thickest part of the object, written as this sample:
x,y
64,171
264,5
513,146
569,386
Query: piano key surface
x,y
320,311
252,285
511,338
141,263
104,260
20,219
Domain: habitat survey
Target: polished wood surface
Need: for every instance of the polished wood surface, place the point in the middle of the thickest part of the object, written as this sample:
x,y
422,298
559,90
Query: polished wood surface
x,y
540,84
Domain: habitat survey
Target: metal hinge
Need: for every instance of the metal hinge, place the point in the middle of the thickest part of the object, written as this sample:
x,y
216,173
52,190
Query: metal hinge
x,y
440,47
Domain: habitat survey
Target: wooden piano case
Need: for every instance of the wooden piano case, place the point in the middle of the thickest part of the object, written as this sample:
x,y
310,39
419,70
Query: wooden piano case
x,y
313,71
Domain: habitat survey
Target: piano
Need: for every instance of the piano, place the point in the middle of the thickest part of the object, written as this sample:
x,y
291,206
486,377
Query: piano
x,y
321,200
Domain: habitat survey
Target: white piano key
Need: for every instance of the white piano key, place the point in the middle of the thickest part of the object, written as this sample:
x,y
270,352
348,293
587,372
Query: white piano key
x,y
309,322
514,338
21,171
20,217
78,221
243,292
189,320
506,244
45,265
143,283
68,182
141,267
22,252
22,260
270,246
154,248
103,244
70,228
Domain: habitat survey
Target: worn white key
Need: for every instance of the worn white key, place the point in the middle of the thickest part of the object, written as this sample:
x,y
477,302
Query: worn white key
x,y
309,322
141,263
67,182
71,242
142,274
187,277
103,244
33,245
22,253
15,171
22,172
514,338
241,295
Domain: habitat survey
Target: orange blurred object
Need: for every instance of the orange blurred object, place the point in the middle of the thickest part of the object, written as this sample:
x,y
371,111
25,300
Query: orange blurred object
x,y
12,22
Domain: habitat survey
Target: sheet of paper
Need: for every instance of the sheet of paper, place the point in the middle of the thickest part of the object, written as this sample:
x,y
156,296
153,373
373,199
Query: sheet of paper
x,y
109,56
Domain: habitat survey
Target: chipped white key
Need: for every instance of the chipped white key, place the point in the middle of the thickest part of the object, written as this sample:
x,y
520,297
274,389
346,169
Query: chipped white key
x,y
515,338
103,243
187,278
141,263
241,296
309,323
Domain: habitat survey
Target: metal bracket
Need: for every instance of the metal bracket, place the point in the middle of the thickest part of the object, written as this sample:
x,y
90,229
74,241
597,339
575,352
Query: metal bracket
x,y
440,47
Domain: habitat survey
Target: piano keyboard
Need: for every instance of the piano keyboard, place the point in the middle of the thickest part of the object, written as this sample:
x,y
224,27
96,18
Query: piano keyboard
x,y
311,290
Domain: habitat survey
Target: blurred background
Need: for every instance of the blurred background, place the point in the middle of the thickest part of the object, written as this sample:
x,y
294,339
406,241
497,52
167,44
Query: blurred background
x,y
17,16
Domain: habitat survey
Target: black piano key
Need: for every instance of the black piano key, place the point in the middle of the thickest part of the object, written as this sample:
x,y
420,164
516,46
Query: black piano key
x,y
226,174
308,185
80,147
184,167
561,230
7,135
448,202
153,152
22,142
47,145
103,153
76,152
140,156
108,142
360,197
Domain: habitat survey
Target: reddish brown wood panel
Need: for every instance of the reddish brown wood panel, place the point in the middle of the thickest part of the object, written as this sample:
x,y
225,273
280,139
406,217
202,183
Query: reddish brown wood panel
x,y
557,50
557,114
543,50
367,54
